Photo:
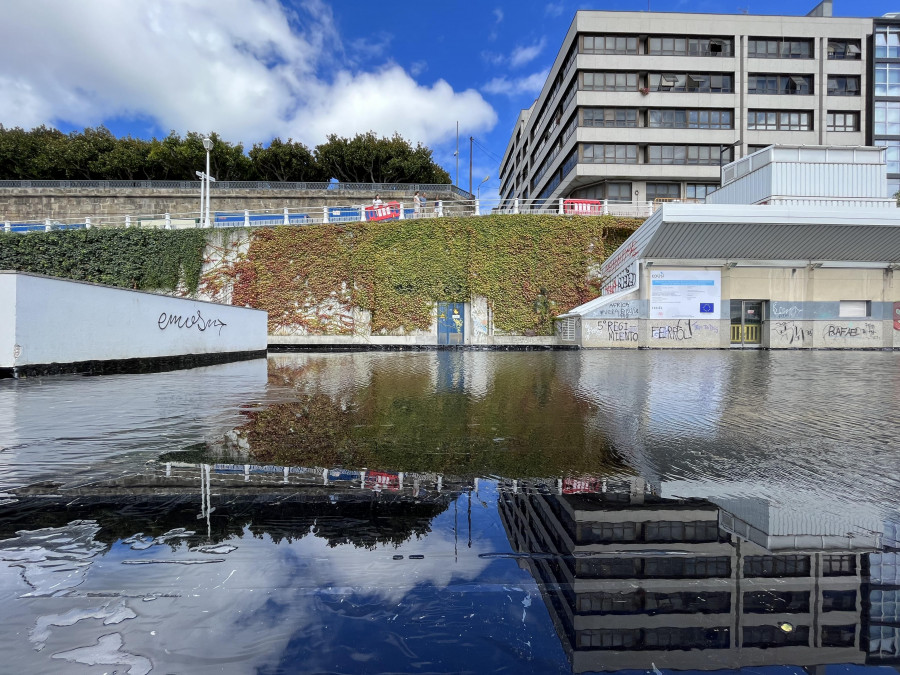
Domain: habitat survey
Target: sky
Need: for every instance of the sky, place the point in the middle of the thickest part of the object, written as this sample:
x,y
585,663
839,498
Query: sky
x,y
252,70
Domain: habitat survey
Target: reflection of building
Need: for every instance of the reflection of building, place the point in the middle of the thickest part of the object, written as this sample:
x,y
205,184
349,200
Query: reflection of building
x,y
631,579
881,602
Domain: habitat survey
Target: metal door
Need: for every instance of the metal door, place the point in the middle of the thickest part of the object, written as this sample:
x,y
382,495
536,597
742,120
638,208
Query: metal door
x,y
451,323
746,322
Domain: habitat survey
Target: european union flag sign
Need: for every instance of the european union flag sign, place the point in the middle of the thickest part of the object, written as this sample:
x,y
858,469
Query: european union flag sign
x,y
707,307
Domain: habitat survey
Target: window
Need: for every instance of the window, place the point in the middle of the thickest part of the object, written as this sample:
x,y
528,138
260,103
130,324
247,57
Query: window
x,y
887,118
566,329
609,44
887,79
686,638
772,602
599,533
687,568
678,531
887,42
703,155
618,192
612,603
772,120
839,601
663,191
773,636
699,190
608,81
614,192
839,636
776,566
842,565
891,155
609,117
779,48
604,153
608,638
853,309
844,121
687,46
844,49
674,118
848,85
693,82
767,83
608,568
687,602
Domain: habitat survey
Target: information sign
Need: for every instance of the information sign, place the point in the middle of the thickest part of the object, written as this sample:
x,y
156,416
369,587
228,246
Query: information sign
x,y
685,294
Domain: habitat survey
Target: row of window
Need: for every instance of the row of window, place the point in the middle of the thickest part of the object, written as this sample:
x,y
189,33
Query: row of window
x,y
623,153
719,83
621,192
695,637
701,118
652,532
684,602
681,45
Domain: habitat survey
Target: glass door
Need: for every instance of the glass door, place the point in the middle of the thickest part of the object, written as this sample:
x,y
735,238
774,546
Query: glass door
x,y
746,322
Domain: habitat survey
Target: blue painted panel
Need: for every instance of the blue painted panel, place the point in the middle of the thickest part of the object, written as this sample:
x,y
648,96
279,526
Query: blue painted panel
x,y
451,323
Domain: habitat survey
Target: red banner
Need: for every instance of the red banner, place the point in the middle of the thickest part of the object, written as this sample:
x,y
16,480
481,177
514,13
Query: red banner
x,y
384,212
573,486
380,480
583,207
897,316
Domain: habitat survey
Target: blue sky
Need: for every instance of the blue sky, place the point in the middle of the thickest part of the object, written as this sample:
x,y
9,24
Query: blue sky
x,y
254,69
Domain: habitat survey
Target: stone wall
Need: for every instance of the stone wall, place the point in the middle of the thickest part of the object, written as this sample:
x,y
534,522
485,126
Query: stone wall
x,y
66,204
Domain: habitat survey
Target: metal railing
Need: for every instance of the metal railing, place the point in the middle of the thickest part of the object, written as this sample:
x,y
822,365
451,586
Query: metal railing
x,y
399,210
432,188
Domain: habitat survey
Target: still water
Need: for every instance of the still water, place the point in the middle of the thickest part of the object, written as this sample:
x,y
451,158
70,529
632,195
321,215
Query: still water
x,y
536,512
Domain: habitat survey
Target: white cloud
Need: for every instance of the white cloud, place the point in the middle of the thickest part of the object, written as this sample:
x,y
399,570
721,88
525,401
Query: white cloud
x,y
531,84
553,8
498,14
522,55
248,69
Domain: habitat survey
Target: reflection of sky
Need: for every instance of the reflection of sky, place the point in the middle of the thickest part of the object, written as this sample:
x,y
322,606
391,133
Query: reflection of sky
x,y
299,606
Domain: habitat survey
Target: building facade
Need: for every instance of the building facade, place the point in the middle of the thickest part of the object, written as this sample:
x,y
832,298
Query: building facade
x,y
885,93
644,106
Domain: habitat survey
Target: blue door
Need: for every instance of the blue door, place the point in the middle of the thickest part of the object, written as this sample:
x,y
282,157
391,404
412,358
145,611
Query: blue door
x,y
451,323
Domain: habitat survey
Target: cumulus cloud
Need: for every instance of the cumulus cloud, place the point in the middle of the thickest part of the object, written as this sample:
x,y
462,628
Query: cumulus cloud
x,y
248,69
522,55
531,84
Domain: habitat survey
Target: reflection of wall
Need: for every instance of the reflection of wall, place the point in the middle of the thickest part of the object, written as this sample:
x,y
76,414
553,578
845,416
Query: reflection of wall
x,y
634,578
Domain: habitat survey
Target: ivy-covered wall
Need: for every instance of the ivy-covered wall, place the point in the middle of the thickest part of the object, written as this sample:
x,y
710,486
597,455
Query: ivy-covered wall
x,y
530,268
315,279
135,258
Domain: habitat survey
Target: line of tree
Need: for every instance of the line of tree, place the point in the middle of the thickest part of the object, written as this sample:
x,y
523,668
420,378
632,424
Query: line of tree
x,y
45,153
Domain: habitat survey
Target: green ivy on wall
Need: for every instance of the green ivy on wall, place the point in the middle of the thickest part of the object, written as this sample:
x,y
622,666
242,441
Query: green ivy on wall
x,y
135,258
530,268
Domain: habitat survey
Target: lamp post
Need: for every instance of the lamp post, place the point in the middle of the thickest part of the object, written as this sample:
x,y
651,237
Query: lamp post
x,y
207,144
486,179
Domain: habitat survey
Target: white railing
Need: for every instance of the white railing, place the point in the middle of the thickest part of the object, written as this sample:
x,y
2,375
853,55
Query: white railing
x,y
341,214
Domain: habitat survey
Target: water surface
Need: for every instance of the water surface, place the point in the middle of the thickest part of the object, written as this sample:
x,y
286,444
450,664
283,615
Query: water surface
x,y
455,512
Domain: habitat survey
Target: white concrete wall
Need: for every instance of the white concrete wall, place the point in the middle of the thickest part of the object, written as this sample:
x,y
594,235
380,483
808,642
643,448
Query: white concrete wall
x,y
60,321
7,319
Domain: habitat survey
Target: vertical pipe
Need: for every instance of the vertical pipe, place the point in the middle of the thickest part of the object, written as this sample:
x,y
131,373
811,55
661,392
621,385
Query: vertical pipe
x,y
206,223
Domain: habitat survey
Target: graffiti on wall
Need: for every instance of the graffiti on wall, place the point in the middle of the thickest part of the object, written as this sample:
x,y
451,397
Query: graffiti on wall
x,y
843,331
189,322
791,332
786,310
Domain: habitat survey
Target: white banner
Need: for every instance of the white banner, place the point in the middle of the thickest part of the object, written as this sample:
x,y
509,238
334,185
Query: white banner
x,y
685,294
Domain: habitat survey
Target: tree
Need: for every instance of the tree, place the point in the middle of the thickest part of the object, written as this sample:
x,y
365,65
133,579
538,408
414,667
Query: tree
x,y
128,160
79,154
284,161
31,154
368,159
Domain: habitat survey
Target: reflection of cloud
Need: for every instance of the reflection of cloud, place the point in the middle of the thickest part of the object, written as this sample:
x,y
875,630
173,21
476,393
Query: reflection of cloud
x,y
107,652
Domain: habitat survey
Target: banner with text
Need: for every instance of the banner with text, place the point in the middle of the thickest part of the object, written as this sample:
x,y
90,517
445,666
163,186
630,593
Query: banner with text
x,y
685,294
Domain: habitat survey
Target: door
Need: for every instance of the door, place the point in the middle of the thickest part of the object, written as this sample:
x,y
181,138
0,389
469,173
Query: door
x,y
451,323
746,322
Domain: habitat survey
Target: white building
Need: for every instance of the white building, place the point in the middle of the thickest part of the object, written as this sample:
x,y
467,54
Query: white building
x,y
645,106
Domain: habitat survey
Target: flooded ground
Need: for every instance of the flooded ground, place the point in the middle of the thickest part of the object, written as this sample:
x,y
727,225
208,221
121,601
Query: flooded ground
x,y
536,512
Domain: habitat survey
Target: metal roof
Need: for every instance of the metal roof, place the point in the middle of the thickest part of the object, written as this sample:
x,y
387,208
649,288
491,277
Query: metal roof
x,y
736,232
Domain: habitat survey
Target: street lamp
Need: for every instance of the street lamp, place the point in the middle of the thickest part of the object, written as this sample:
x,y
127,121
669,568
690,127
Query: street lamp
x,y
207,144
486,179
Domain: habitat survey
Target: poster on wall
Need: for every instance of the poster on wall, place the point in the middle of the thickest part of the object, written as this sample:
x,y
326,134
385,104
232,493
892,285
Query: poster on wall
x,y
685,294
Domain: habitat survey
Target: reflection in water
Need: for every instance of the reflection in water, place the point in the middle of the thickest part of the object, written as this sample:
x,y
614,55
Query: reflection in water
x,y
456,512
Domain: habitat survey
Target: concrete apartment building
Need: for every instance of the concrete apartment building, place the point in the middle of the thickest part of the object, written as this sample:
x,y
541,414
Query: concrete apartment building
x,y
641,106
884,96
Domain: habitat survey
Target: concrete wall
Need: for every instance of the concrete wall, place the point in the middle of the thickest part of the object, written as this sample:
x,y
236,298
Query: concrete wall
x,y
59,321
23,204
